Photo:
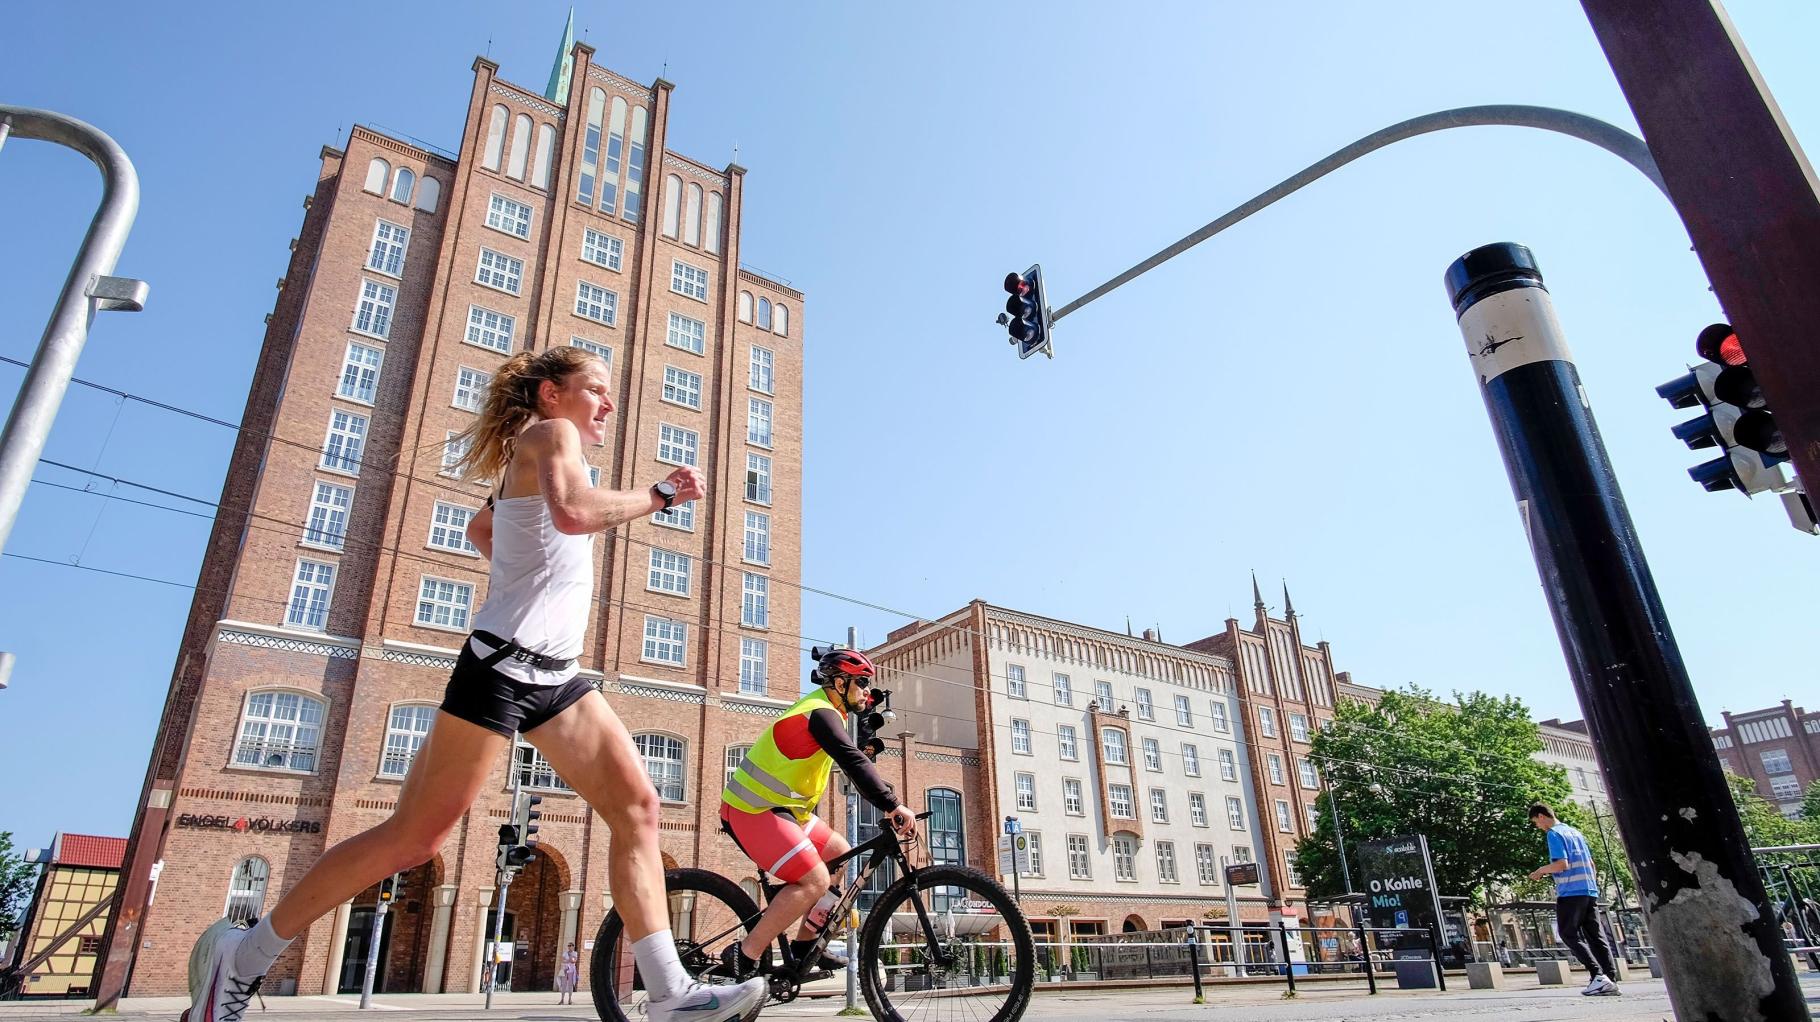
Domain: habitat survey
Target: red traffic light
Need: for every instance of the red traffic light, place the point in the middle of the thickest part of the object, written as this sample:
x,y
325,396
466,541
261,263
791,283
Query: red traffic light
x,y
1719,343
1015,284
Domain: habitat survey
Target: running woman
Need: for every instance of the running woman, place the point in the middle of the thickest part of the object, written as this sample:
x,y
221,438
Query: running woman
x,y
516,673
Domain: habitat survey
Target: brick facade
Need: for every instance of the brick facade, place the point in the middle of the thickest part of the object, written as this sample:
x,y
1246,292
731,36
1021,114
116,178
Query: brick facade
x,y
1777,747
371,652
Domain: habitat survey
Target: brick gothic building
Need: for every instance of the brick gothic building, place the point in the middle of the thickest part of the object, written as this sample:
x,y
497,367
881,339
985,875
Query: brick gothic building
x,y
337,584
1139,769
1778,747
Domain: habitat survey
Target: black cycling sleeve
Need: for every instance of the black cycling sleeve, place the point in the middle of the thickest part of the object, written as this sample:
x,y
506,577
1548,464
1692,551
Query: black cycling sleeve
x,y
830,732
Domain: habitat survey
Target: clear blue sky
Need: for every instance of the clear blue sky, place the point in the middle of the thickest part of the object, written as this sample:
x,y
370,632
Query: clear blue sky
x,y
1292,397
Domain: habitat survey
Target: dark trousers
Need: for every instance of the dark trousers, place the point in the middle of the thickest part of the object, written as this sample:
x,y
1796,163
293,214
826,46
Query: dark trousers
x,y
1578,919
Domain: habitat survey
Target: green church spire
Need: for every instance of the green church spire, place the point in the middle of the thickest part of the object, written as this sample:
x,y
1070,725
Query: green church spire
x,y
558,89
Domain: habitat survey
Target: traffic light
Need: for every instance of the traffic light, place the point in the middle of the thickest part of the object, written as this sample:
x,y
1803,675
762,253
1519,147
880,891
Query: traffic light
x,y
508,843
1736,420
523,830
1027,312
873,717
388,889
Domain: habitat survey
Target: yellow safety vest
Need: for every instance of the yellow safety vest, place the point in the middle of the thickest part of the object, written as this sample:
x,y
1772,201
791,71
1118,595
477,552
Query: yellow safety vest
x,y
767,779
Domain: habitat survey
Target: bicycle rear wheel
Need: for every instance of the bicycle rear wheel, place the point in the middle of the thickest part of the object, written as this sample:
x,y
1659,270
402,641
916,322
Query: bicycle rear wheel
x,y
707,913
980,967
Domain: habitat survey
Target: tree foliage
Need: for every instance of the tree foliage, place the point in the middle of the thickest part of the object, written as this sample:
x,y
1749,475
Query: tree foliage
x,y
16,878
1463,773
1764,824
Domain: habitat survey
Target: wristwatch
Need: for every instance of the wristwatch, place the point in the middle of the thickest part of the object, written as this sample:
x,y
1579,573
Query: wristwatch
x,y
666,490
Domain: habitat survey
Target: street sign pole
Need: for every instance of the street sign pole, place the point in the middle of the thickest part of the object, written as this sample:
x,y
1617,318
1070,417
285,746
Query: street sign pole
x,y
379,910
1711,921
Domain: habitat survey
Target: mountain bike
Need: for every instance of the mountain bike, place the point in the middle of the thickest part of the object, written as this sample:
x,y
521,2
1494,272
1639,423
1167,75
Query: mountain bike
x,y
939,941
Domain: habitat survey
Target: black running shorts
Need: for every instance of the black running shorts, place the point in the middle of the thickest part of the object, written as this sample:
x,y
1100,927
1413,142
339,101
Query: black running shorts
x,y
481,695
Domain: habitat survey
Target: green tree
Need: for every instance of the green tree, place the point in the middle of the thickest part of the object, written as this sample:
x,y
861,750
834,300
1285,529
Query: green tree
x,y
1462,773
1810,804
16,877
1764,824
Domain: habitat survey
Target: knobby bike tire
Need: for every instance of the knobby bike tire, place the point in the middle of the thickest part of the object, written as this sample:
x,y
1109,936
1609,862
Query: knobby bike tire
x,y
609,964
978,885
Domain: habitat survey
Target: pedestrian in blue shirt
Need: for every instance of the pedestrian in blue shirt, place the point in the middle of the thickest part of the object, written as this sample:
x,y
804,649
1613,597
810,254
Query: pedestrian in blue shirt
x,y
1576,898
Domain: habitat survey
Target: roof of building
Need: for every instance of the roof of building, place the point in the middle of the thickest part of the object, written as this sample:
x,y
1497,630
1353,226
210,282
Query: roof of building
x,y
89,850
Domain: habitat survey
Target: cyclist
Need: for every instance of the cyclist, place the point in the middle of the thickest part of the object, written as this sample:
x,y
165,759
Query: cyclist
x,y
769,805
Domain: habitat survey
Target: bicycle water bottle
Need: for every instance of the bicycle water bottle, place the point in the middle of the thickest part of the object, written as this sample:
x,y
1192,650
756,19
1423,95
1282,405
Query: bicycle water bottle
x,y
818,916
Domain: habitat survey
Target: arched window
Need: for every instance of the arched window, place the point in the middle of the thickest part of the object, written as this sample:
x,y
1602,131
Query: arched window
x,y
692,216
521,146
635,165
664,762
406,728
377,172
711,229
246,890
590,148
429,193
672,205
540,169
736,754
780,317
870,820
750,886
745,306
279,730
402,184
496,138
616,147
947,840
764,313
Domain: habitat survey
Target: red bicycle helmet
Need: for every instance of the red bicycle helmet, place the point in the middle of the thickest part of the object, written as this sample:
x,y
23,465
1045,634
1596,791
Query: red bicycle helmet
x,y
844,663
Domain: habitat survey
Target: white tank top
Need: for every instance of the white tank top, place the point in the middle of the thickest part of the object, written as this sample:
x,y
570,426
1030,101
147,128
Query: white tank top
x,y
540,586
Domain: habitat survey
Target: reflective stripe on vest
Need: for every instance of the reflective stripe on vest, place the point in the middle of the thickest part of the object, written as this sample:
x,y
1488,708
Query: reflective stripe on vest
x,y
767,779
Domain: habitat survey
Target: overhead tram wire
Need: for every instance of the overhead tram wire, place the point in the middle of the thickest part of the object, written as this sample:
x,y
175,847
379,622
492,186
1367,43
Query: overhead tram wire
x,y
458,488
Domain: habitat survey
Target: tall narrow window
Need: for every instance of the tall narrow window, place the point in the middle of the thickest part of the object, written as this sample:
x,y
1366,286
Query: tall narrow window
x,y
246,890
406,728
377,173
780,315
758,538
360,373
346,440
402,184
635,166
590,148
761,377
496,139
753,673
692,216
755,601
745,307
429,194
616,145
764,314
540,167
758,478
328,523
672,206
389,243
521,146
710,238
373,313
311,589
758,422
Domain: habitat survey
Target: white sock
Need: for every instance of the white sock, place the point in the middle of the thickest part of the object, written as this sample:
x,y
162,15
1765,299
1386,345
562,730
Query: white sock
x,y
663,972
258,949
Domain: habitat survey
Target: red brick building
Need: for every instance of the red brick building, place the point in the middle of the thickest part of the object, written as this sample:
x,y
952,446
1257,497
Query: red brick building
x,y
337,585
1777,747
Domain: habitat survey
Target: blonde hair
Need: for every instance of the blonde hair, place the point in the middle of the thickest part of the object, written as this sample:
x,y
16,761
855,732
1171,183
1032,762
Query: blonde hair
x,y
511,405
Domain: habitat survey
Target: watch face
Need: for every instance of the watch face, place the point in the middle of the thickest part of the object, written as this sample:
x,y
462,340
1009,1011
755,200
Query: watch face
x,y
666,488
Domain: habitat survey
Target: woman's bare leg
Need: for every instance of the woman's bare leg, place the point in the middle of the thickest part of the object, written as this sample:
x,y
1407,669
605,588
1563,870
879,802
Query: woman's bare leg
x,y
444,780
589,747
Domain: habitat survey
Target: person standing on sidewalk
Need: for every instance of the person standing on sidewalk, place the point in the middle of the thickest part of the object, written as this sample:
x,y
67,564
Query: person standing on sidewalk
x,y
569,976
1576,898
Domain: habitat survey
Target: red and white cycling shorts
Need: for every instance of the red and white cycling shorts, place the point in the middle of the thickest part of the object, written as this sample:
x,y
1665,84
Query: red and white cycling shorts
x,y
776,842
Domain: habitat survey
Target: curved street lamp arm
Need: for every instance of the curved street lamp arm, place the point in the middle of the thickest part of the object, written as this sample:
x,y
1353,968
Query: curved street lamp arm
x,y
1614,140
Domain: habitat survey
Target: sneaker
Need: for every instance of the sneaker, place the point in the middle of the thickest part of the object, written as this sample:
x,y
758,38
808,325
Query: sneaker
x,y
703,1002
1601,987
217,993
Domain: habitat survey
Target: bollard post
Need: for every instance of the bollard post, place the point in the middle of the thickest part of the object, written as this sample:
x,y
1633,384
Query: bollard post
x,y
1288,966
1434,946
1371,974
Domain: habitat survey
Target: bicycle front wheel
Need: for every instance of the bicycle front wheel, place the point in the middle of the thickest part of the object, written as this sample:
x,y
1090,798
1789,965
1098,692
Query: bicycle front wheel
x,y
966,956
707,913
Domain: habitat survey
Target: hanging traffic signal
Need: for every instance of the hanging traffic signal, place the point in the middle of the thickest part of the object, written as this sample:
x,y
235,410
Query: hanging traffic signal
x,y
388,889
508,843
1736,420
524,832
873,717
1027,312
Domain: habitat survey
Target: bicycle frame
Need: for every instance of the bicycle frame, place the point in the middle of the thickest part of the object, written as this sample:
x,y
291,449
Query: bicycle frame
x,y
886,846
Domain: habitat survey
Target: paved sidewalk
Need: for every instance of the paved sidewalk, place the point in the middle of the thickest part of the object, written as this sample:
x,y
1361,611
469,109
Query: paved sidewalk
x,y
1644,1000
